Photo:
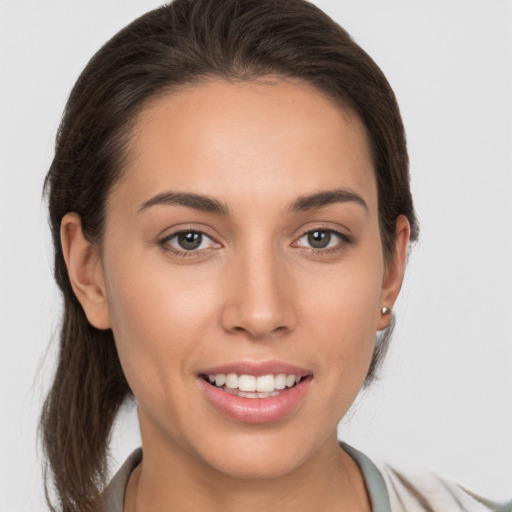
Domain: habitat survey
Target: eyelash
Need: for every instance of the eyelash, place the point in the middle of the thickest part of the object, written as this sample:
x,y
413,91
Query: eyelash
x,y
183,253
343,241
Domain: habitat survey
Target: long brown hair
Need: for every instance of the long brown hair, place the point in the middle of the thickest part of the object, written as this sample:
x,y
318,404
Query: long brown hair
x,y
183,42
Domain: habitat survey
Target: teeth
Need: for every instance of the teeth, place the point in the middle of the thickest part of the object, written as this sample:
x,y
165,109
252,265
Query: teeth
x,y
290,380
280,381
250,386
265,383
246,394
231,380
247,383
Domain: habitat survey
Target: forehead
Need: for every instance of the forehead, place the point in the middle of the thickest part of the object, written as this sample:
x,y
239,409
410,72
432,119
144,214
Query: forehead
x,y
247,139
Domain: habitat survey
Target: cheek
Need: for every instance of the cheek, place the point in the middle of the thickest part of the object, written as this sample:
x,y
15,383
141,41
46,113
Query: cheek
x,y
346,296
159,316
342,314
149,296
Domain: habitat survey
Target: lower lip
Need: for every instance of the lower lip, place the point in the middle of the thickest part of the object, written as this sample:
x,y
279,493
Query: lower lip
x,y
256,410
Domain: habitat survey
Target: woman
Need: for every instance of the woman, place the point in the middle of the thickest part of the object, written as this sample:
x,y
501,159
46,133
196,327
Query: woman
x,y
231,214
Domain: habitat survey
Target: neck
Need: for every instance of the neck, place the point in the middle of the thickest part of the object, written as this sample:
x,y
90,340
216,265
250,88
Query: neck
x,y
172,479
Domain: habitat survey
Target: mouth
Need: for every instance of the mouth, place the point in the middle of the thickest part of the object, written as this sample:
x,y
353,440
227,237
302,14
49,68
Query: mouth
x,y
255,393
253,386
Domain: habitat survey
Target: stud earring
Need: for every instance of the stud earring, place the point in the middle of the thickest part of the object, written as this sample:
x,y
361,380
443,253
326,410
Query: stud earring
x,y
385,311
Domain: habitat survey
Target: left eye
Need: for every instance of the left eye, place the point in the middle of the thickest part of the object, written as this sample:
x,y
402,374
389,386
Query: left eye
x,y
189,241
319,239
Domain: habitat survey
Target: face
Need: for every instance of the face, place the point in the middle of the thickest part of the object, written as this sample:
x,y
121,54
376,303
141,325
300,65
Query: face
x,y
242,254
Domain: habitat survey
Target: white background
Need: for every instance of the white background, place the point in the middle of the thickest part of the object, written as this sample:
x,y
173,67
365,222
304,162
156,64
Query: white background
x,y
445,397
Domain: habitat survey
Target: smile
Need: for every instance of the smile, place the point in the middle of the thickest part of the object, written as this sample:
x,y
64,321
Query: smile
x,y
250,392
251,386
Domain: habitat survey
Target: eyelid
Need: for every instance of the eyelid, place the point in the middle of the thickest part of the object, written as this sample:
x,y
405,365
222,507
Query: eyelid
x,y
343,240
164,242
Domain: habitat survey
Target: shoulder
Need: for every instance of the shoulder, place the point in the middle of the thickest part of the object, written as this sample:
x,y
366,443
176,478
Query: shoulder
x,y
414,490
113,496
421,490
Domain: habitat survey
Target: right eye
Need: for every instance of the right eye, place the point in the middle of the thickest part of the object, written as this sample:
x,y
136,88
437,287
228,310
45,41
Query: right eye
x,y
188,241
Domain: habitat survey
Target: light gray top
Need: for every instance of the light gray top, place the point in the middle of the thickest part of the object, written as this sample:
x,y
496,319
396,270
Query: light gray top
x,y
389,489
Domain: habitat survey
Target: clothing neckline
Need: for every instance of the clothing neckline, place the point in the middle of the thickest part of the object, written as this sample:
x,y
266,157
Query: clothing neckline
x,y
373,479
113,496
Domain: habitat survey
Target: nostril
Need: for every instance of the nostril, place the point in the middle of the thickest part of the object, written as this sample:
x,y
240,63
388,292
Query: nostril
x,y
261,333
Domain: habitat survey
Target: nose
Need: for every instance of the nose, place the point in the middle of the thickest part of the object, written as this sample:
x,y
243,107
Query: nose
x,y
259,296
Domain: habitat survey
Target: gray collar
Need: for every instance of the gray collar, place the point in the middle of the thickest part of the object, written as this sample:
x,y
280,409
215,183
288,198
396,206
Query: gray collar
x,y
375,485
113,496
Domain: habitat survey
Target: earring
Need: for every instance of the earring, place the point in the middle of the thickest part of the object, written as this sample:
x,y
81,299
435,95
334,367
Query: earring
x,y
385,311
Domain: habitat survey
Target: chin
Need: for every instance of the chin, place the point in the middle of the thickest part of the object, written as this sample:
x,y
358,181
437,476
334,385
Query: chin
x,y
257,464
258,456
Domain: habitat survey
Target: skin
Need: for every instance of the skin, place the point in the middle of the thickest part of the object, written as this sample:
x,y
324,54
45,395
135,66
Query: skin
x,y
255,291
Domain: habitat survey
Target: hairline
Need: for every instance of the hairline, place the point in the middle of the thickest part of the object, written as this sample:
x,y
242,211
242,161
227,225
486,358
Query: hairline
x,y
342,102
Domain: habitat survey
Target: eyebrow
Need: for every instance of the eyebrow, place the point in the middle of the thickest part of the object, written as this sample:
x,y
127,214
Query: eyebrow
x,y
209,204
195,201
326,198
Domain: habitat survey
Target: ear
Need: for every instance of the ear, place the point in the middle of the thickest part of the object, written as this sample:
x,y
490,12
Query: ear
x,y
394,271
85,271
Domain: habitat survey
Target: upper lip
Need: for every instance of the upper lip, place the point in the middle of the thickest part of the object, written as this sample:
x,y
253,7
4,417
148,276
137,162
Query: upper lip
x,y
257,368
